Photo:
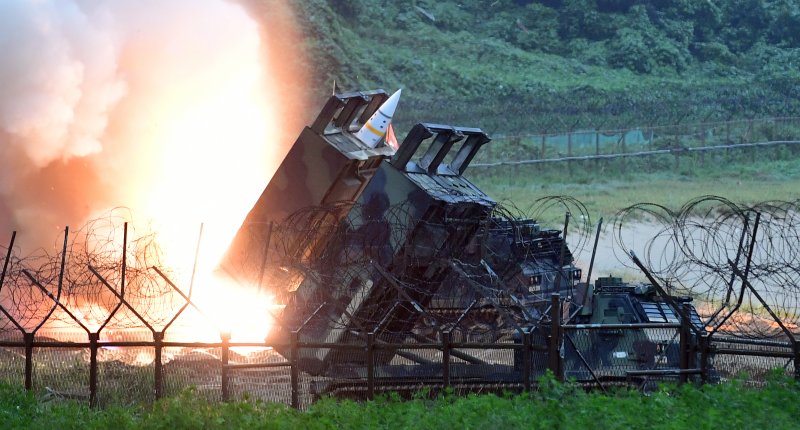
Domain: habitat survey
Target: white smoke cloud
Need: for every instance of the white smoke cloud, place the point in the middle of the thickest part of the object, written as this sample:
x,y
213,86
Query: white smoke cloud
x,y
90,93
59,78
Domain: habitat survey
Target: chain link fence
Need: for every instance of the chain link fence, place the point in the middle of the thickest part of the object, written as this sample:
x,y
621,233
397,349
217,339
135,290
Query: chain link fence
x,y
648,148
483,331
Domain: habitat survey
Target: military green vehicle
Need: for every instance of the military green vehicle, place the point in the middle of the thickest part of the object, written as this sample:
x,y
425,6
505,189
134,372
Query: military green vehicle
x,y
395,248
619,332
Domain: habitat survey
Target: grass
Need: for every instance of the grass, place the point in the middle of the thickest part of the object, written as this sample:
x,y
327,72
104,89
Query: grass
x,y
554,405
606,192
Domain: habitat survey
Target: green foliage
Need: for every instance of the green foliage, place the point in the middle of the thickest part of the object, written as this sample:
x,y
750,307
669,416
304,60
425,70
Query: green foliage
x,y
536,29
785,24
22,410
553,405
189,410
553,65
581,19
670,27
630,50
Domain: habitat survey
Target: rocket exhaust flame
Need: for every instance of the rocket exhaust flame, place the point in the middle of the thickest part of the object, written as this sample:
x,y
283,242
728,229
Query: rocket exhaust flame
x,y
158,107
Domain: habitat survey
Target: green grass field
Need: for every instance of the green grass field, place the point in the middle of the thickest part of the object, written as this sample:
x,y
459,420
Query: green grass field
x,y
604,194
554,406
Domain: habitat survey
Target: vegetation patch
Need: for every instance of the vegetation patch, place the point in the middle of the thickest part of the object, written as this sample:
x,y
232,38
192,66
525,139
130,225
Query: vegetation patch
x,y
555,405
604,194
553,65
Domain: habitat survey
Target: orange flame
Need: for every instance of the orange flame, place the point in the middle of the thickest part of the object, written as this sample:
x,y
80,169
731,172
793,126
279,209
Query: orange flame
x,y
214,159
201,127
212,152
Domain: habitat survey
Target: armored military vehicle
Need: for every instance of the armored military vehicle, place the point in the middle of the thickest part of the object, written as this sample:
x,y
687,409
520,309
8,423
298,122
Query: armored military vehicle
x,y
393,248
619,332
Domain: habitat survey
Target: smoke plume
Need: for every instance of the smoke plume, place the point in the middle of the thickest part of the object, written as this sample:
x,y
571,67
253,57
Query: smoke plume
x,y
163,107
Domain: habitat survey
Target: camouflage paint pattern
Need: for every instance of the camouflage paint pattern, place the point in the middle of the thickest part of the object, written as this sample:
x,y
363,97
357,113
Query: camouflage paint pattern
x,y
612,352
400,220
439,212
326,164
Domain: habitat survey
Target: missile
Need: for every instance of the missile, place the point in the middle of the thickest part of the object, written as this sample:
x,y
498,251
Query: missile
x,y
374,129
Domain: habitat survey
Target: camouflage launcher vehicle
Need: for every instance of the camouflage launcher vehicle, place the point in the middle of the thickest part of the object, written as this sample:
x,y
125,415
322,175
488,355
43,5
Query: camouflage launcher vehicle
x,y
397,247
621,340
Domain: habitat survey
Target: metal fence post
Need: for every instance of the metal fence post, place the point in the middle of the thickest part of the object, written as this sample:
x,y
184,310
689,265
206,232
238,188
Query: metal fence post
x,y
703,144
370,365
747,136
704,357
544,147
677,155
597,150
728,141
527,358
28,338
796,347
226,338
158,340
555,336
651,146
446,358
295,376
93,338
684,349
569,153
753,150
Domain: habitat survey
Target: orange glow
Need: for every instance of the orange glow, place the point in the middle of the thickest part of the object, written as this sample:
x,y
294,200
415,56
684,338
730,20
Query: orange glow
x,y
211,160
209,163
210,170
244,313
758,320
211,102
211,140
86,314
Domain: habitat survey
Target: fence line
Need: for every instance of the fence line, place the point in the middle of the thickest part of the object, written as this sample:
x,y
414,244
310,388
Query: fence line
x,y
653,128
673,151
692,358
403,359
520,379
676,140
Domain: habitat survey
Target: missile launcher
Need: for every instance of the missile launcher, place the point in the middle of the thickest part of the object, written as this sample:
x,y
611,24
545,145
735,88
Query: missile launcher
x,y
379,246
327,164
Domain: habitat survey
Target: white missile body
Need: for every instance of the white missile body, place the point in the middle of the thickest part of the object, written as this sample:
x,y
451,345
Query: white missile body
x,y
374,129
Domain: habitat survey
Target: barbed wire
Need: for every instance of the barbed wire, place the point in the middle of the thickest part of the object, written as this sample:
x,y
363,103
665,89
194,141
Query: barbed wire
x,y
97,244
693,250
399,269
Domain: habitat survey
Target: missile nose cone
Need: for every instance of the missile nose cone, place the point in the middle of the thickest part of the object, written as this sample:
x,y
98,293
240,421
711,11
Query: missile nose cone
x,y
389,106
374,129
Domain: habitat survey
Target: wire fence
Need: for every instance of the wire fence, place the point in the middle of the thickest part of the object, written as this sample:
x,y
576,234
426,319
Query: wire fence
x,y
104,321
636,355
654,148
587,109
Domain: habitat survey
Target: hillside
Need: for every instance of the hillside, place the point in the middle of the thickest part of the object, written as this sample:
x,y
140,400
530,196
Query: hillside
x,y
530,65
